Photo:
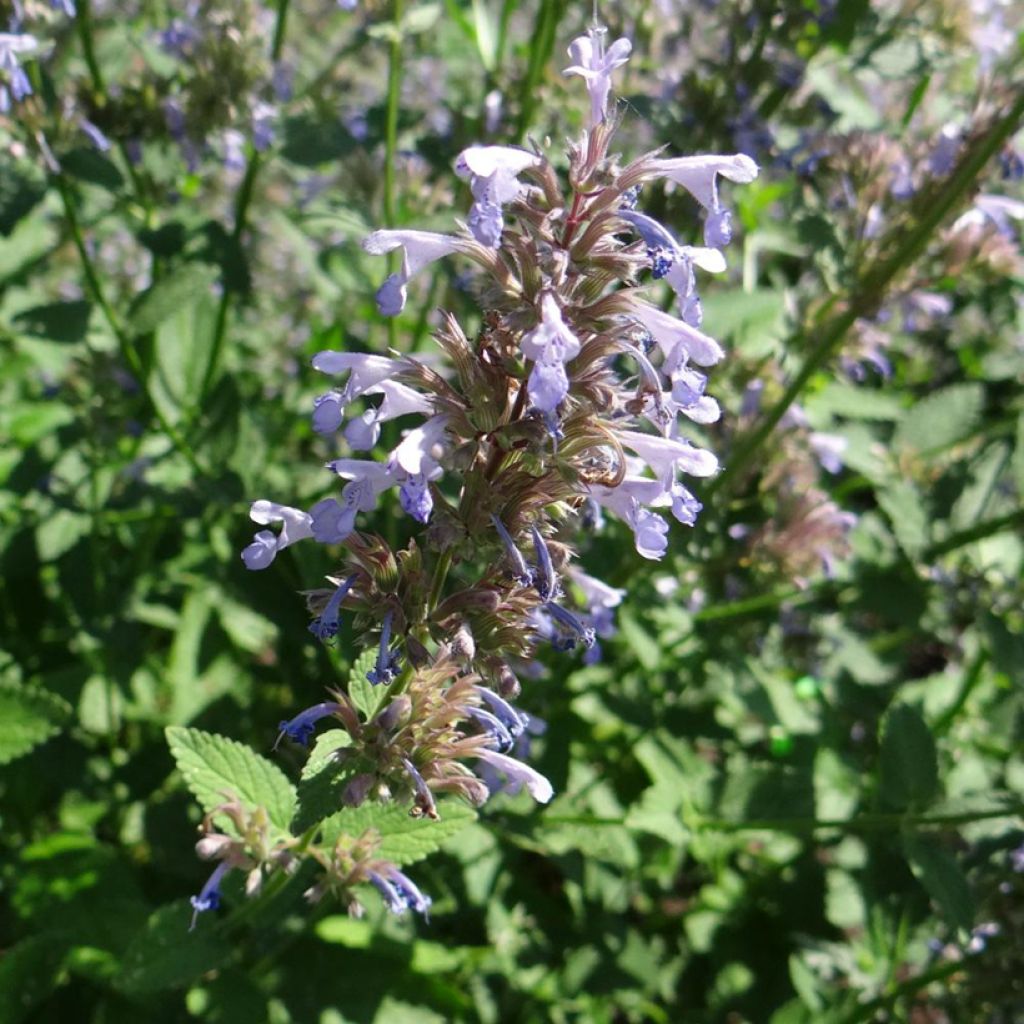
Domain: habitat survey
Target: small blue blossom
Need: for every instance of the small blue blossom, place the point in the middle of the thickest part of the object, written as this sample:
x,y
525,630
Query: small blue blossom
x,y
513,720
388,661
301,727
493,726
400,893
630,198
522,575
544,579
325,626
415,498
424,798
209,895
575,631
14,47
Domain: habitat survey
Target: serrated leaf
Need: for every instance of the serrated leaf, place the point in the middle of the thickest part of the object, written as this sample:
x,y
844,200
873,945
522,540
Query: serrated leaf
x,y
404,839
166,955
28,717
941,419
213,765
943,879
904,506
364,694
326,746
907,761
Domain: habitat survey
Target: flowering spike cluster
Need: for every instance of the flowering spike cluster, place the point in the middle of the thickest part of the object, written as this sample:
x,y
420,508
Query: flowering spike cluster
x,y
577,396
243,839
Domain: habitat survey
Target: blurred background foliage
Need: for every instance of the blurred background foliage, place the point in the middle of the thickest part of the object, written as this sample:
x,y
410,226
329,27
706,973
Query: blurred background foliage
x,y
791,789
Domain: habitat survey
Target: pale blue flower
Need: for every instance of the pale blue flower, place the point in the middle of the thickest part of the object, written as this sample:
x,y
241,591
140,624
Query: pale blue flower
x,y
595,65
296,525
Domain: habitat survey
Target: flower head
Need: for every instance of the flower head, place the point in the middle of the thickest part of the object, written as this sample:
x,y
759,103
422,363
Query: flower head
x,y
492,172
296,525
595,65
419,250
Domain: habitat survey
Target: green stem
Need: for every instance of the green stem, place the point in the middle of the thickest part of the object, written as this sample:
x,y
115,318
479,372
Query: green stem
x,y
83,25
124,341
391,142
973,533
927,215
243,200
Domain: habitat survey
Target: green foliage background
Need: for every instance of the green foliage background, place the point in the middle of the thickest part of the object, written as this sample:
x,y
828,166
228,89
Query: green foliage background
x,y
781,796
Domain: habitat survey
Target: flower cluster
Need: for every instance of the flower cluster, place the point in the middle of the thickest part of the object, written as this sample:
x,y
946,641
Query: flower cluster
x,y
576,397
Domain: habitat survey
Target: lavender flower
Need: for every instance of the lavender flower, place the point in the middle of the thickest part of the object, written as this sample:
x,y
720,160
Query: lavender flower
x,y
13,49
520,774
419,250
595,66
492,172
399,891
296,526
325,626
699,176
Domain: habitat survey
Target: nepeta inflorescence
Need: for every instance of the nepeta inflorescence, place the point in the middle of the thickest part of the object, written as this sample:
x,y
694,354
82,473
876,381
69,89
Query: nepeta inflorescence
x,y
569,400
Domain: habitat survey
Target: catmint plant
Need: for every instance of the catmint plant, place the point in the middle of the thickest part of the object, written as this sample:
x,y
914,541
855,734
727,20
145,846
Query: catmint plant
x,y
575,396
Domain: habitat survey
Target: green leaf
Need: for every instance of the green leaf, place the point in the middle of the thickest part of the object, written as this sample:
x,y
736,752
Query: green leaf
x,y
908,761
404,838
485,34
364,694
181,288
28,717
326,746
22,186
1017,463
32,421
183,349
903,504
751,320
310,141
644,646
57,321
89,165
941,419
855,403
213,766
943,879
29,972
166,955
